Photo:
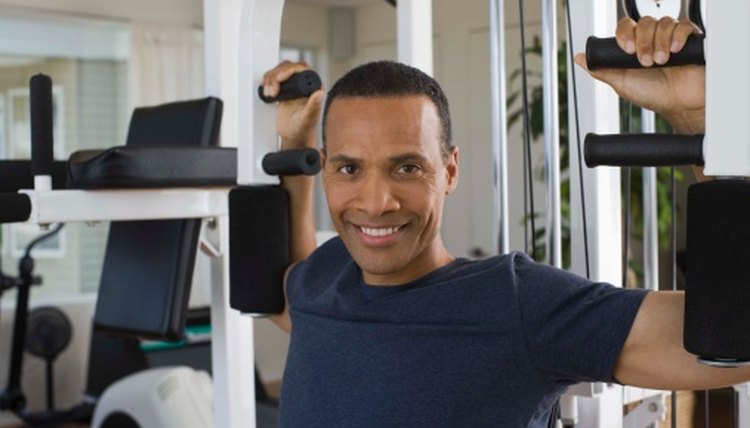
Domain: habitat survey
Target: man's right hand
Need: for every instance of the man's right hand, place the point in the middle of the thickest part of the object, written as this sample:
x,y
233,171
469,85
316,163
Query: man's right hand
x,y
296,124
296,120
677,93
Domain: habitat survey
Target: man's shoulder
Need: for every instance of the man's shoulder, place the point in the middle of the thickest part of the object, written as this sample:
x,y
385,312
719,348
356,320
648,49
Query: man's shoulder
x,y
330,258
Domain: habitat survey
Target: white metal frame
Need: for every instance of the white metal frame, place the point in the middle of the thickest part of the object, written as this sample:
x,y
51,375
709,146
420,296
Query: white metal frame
x,y
726,147
414,33
598,112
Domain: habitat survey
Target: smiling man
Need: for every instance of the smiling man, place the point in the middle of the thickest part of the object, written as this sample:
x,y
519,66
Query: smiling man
x,y
388,168
391,330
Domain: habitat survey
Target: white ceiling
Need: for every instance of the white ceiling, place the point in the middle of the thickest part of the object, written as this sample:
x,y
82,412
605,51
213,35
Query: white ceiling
x,y
329,3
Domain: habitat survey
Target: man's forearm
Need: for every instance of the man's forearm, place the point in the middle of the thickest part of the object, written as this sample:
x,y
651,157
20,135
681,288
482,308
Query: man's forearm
x,y
302,222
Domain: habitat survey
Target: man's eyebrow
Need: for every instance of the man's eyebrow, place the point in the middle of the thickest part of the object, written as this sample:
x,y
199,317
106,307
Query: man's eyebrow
x,y
339,158
408,157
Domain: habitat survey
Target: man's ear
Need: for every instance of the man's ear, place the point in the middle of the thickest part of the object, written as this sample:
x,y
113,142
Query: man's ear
x,y
451,171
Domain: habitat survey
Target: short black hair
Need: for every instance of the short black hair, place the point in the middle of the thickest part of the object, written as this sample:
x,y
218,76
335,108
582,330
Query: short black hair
x,y
384,79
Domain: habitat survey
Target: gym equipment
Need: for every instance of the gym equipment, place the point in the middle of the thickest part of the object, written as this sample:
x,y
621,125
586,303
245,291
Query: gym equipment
x,y
656,8
148,264
48,334
259,238
300,85
712,314
169,397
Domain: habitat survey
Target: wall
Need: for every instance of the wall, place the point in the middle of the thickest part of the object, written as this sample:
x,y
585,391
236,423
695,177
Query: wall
x,y
188,12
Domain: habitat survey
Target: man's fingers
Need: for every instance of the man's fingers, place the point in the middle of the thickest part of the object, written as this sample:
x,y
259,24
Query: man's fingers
x,y
625,35
663,39
681,33
293,67
273,78
644,40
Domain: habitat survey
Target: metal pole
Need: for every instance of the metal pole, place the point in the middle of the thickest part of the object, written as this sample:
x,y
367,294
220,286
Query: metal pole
x,y
551,131
499,126
650,214
414,33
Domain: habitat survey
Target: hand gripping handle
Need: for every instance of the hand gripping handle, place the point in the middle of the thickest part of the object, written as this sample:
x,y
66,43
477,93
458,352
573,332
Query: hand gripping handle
x,y
300,85
606,53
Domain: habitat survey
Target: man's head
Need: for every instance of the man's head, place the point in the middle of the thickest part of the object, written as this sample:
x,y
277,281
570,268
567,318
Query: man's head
x,y
387,167
385,79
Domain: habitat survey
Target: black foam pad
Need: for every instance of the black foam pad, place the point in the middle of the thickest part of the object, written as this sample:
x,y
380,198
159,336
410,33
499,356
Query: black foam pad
x,y
258,248
717,293
14,207
193,122
146,278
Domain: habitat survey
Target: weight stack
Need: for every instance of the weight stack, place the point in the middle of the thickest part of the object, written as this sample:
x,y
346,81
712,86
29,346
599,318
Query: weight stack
x,y
717,293
258,248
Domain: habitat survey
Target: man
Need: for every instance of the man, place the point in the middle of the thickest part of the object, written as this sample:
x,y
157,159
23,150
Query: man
x,y
390,329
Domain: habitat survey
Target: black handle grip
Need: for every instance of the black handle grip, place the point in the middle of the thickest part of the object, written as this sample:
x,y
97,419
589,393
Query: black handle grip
x,y
300,85
14,207
605,53
643,150
292,162
40,100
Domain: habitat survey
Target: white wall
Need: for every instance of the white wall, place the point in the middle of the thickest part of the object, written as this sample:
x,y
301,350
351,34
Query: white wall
x,y
188,12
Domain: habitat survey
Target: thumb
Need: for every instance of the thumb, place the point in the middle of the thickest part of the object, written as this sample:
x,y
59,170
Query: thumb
x,y
314,102
612,77
581,61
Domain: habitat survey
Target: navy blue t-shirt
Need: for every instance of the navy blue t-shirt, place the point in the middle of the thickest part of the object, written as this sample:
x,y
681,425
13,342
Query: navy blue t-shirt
x,y
489,343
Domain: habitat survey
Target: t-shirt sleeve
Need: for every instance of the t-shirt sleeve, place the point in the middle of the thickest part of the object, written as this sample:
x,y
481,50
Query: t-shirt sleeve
x,y
575,329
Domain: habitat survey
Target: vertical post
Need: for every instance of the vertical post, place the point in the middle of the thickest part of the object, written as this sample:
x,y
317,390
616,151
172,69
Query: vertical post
x,y
650,214
232,335
551,131
242,41
598,112
414,33
726,148
499,127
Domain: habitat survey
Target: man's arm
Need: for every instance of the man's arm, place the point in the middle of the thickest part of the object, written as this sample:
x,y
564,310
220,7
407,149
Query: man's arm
x,y
654,357
296,123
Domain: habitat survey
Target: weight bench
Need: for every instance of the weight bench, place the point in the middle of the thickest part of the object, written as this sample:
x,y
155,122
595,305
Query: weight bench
x,y
148,264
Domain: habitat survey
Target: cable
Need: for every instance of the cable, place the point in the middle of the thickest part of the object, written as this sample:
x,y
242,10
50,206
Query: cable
x,y
673,255
41,238
578,143
626,205
527,130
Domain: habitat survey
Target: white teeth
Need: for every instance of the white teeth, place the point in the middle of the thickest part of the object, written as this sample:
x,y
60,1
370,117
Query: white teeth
x,y
369,231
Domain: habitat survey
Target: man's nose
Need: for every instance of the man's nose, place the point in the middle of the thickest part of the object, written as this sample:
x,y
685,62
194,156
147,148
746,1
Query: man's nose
x,y
377,197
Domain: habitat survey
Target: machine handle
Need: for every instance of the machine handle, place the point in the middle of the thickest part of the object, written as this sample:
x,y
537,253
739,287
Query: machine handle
x,y
605,53
292,162
14,207
300,85
643,150
40,100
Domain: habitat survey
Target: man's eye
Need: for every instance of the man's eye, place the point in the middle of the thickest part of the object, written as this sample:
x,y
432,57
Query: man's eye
x,y
409,169
348,169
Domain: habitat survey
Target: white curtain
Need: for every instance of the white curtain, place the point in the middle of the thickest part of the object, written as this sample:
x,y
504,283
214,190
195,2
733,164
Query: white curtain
x,y
166,64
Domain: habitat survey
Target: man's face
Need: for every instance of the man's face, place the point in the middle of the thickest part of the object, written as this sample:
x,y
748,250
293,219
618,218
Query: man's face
x,y
385,180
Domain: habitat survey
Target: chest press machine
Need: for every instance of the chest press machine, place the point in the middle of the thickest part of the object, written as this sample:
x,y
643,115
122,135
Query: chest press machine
x,y
716,324
150,181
